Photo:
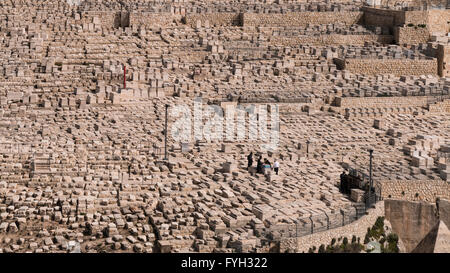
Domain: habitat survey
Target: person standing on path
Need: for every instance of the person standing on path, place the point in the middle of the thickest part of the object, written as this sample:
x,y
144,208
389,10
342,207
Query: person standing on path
x,y
249,160
276,166
259,166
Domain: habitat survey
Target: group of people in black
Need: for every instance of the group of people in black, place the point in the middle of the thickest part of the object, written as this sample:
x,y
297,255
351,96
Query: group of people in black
x,y
262,165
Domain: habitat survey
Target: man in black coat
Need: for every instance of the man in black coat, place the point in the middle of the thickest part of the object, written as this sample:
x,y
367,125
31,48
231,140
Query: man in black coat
x,y
259,165
249,160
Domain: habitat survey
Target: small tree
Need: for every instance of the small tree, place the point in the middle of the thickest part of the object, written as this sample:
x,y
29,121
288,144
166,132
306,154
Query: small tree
x,y
345,241
379,222
333,241
322,248
353,239
392,246
329,249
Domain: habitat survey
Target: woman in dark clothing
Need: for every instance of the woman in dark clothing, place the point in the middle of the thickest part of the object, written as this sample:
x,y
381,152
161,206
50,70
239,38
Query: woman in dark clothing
x,y
250,160
259,165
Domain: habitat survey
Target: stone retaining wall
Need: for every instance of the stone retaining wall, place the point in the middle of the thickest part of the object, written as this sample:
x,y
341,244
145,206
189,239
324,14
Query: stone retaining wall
x,y
331,39
104,18
149,19
443,58
389,66
411,221
357,228
382,17
377,102
438,21
427,190
127,19
217,19
301,19
314,224
416,17
435,20
411,35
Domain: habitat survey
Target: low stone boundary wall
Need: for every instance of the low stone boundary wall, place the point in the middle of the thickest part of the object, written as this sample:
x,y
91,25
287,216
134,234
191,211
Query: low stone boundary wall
x,y
301,19
389,66
382,17
415,190
377,102
436,20
443,57
289,234
218,19
331,39
150,19
313,224
357,228
411,35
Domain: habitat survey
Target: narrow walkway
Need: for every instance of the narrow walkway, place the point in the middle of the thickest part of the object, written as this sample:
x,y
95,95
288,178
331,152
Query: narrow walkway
x,y
357,228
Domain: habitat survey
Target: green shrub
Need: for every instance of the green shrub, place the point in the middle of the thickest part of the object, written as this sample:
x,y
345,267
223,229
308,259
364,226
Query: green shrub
x,y
356,248
392,238
353,239
348,248
329,249
392,246
410,25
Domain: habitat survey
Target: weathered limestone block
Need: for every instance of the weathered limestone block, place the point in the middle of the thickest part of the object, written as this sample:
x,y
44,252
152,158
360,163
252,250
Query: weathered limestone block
x,y
357,195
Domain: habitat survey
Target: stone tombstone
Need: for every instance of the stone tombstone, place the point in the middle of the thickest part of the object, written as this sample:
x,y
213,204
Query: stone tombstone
x,y
357,195
229,167
379,124
226,148
185,147
310,146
